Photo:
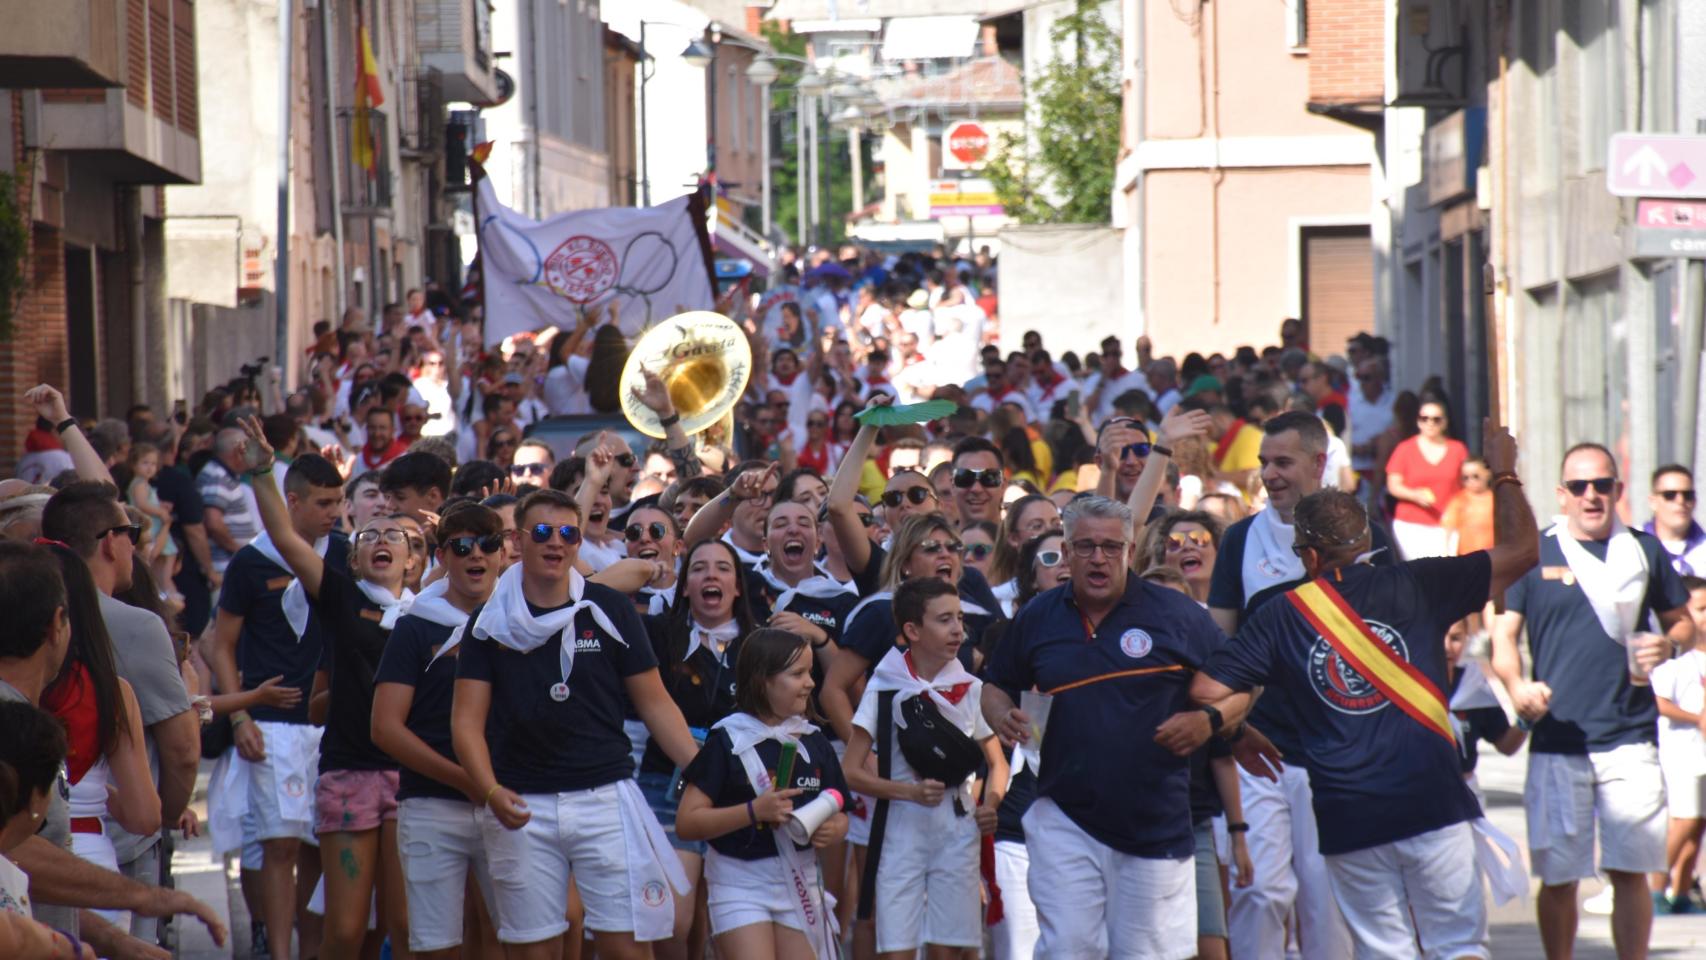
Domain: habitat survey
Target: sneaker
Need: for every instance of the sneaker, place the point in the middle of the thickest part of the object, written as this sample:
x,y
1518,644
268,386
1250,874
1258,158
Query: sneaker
x,y
1695,899
259,949
1675,905
1600,903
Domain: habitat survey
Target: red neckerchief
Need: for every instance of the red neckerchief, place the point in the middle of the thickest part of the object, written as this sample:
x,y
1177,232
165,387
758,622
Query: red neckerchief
x,y
880,378
815,456
995,394
788,380
1226,440
1048,385
953,694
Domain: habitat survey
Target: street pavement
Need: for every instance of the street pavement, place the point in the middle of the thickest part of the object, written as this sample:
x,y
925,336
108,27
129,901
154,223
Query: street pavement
x,y
1513,930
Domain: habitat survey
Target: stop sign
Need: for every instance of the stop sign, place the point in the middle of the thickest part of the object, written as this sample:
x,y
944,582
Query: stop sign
x,y
968,142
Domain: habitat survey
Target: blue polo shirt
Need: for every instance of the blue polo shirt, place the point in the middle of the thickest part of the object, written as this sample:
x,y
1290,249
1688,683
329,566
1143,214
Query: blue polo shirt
x,y
1376,773
408,660
1594,707
254,590
540,745
1101,764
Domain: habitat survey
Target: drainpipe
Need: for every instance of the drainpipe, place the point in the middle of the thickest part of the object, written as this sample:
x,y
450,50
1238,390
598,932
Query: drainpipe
x,y
138,299
332,157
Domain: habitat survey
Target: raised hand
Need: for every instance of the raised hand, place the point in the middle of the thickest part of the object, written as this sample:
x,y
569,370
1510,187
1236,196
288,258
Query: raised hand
x,y
653,395
750,485
49,403
1181,424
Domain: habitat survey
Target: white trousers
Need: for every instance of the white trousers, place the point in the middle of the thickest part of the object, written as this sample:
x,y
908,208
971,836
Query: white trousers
x,y
1290,875
1418,540
1015,937
1414,899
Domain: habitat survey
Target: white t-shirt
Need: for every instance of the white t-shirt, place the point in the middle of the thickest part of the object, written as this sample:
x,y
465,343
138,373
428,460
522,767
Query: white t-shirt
x,y
1338,458
565,388
601,555
970,721
1682,681
440,407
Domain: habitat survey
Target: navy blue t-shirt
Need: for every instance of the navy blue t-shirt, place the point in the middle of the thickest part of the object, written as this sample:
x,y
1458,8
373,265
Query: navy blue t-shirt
x,y
973,586
871,632
829,613
1272,713
1377,774
1101,764
719,774
539,745
1594,707
354,643
408,660
254,589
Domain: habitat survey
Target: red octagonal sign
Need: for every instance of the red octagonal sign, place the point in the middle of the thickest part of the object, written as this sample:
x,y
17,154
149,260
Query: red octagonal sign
x,y
968,142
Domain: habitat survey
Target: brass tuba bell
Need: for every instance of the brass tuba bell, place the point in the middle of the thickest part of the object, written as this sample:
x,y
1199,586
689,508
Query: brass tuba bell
x,y
704,361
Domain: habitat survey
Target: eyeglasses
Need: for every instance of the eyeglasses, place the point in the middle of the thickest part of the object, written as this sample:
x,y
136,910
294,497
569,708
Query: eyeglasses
x,y
933,547
867,520
979,551
519,470
1427,419
1672,496
917,495
990,478
1049,558
1601,485
1085,549
1176,540
463,546
635,531
392,536
570,533
131,530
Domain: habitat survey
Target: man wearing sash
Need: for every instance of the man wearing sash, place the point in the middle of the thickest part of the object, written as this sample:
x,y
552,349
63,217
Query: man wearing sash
x,y
1593,609
1359,650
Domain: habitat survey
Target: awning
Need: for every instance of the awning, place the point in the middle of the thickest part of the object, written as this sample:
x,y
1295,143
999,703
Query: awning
x,y
930,38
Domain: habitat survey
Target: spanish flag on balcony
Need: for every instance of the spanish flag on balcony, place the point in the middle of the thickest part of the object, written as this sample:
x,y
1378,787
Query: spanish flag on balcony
x,y
368,94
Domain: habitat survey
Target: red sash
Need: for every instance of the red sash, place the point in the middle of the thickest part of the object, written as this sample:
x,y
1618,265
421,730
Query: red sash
x,y
1226,440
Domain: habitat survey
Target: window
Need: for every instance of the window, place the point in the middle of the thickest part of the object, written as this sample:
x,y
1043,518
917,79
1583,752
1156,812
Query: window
x,y
1297,24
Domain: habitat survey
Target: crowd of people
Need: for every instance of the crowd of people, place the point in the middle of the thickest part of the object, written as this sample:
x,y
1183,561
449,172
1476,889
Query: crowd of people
x,y
1169,660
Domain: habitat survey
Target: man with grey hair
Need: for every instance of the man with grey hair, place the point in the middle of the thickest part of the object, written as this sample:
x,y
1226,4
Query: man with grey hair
x,y
228,505
1163,377
1110,833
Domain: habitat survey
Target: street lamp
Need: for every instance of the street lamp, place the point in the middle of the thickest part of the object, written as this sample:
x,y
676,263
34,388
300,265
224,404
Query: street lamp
x,y
762,73
698,54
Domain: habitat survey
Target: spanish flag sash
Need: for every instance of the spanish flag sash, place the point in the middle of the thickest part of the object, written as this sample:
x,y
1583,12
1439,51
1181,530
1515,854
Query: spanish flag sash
x,y
1351,638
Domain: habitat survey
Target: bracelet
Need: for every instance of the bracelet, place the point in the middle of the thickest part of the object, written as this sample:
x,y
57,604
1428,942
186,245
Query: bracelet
x,y
669,421
751,814
1237,828
263,470
1163,450
487,801
60,428
238,719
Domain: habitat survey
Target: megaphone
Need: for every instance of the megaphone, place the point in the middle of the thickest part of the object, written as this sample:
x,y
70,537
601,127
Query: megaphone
x,y
802,823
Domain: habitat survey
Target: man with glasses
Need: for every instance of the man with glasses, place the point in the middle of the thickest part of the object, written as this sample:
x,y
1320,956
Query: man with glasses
x,y
1110,837
1672,501
978,481
1601,610
550,660
434,385
267,639
533,462
624,465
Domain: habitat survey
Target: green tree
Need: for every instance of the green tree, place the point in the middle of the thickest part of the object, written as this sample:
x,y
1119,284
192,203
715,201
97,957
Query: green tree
x,y
835,169
1062,171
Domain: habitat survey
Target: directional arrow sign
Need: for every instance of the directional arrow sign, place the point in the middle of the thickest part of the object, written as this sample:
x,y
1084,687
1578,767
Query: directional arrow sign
x,y
1656,165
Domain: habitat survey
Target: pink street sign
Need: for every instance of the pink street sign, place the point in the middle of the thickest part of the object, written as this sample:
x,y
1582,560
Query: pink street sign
x,y
1656,165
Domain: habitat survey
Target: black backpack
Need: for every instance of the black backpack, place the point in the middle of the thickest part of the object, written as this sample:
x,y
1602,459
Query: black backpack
x,y
935,748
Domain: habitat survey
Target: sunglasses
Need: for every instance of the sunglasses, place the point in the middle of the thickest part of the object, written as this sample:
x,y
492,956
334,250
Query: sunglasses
x,y
1430,419
131,530
1672,496
1601,485
933,547
519,470
570,533
893,498
463,546
1138,450
1176,541
963,478
392,536
979,551
625,461
1050,558
635,531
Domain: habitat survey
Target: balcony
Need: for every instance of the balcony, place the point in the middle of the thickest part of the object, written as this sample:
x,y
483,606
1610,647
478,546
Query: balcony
x,y
67,43
454,37
366,192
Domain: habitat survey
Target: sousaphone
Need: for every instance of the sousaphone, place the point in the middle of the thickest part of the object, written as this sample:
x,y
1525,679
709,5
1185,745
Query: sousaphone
x,y
704,361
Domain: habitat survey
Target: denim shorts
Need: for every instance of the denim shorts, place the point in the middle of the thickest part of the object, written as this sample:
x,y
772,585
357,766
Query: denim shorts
x,y
655,787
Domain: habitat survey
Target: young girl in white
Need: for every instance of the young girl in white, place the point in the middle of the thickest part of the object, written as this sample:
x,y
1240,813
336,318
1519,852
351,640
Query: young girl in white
x,y
765,896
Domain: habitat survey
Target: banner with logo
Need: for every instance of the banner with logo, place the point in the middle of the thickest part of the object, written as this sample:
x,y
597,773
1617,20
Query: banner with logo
x,y
646,263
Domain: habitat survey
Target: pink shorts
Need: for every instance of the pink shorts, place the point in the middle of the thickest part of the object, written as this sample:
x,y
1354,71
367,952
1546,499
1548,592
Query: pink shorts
x,y
354,800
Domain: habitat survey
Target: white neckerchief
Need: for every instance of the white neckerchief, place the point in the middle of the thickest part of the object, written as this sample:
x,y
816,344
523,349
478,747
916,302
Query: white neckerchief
x,y
391,607
800,875
1268,559
1473,691
1614,586
747,558
715,639
820,586
295,600
1007,593
433,603
506,619
892,673
660,600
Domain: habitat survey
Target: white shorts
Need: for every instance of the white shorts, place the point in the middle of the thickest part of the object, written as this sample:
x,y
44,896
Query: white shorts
x,y
1015,937
529,868
97,849
281,785
860,807
1622,788
740,893
1685,786
929,889
1422,890
1095,902
438,841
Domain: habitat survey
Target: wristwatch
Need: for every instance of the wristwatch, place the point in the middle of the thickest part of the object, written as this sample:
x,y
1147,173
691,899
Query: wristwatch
x,y
65,425
1158,448
1214,718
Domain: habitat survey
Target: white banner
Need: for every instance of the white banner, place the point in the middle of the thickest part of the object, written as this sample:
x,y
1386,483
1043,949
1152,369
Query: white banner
x,y
647,260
